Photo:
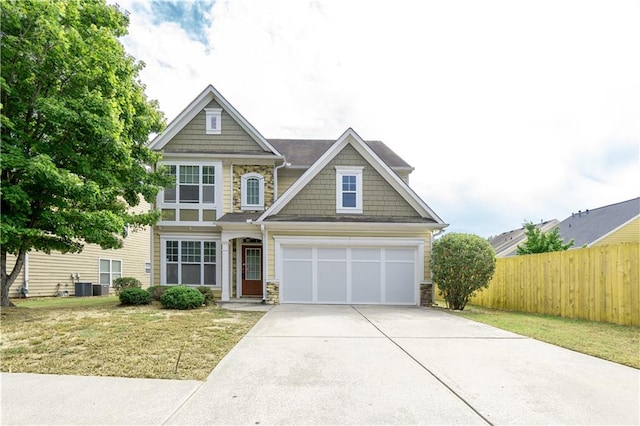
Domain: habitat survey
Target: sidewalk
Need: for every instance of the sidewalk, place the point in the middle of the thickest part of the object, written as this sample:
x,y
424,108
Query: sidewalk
x,y
30,399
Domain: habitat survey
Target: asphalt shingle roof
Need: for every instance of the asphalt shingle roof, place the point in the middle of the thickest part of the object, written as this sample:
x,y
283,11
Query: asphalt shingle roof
x,y
586,227
302,153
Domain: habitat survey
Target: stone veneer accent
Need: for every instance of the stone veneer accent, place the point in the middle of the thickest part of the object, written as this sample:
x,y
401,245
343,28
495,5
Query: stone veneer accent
x,y
426,294
239,171
273,293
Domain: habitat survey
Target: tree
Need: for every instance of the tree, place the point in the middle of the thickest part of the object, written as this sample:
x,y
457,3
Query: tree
x,y
461,264
541,242
75,123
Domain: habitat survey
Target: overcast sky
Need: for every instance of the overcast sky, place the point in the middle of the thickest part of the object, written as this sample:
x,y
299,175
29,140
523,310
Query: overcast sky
x,y
508,110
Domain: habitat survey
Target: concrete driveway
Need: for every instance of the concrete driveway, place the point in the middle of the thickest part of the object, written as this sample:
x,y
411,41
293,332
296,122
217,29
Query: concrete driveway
x,y
306,364
352,365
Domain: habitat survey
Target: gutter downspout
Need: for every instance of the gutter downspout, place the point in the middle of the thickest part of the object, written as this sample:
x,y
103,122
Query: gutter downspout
x,y
265,257
275,177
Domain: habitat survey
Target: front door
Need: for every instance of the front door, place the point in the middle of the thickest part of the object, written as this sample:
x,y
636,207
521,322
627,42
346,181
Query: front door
x,y
251,271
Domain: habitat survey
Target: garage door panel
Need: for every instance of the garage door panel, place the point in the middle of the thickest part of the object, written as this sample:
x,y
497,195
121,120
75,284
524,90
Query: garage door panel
x,y
345,274
332,281
399,283
366,282
302,253
299,278
371,254
332,254
400,254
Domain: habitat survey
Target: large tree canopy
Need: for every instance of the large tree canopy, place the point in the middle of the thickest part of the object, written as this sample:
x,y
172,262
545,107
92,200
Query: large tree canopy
x,y
75,123
541,242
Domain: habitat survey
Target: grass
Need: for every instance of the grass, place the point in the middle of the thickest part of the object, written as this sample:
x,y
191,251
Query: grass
x,y
95,336
613,342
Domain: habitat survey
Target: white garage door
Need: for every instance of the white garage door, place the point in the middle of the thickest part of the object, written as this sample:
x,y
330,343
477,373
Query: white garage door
x,y
354,275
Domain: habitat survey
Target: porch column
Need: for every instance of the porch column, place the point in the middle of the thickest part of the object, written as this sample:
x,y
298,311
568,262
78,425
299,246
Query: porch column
x,y
225,270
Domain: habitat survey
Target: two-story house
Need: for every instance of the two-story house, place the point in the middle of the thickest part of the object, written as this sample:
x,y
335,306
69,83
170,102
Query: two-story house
x,y
287,221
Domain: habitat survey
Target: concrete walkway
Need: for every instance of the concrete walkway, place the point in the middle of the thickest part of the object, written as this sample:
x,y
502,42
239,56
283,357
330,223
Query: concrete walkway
x,y
352,365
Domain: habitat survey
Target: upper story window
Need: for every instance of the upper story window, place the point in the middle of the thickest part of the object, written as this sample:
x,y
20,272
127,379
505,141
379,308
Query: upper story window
x,y
348,189
252,188
194,184
213,120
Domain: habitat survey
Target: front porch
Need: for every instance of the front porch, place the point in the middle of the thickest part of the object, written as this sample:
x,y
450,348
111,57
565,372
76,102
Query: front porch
x,y
243,260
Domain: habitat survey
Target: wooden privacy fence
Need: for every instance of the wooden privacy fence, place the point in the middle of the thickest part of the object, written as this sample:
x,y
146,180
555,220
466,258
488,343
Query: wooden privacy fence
x,y
599,283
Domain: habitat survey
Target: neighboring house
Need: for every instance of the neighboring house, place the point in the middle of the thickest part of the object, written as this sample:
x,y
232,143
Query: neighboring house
x,y
287,221
56,274
612,224
506,244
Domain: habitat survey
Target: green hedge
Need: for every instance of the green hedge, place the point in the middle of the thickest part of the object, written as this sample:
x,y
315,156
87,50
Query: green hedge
x,y
134,296
180,297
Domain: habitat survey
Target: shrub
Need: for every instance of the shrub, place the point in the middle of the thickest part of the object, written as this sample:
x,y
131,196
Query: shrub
x,y
134,296
462,264
157,291
181,297
121,283
207,293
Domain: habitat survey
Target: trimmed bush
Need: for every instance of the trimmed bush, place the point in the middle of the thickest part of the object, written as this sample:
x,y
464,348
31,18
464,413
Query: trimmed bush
x,y
157,291
207,293
121,283
134,296
181,297
462,264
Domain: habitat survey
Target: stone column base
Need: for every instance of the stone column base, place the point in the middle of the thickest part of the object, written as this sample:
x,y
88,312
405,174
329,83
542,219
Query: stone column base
x,y
426,294
273,293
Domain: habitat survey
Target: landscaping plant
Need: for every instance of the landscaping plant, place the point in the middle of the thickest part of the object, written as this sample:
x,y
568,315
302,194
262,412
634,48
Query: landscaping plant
x,y
156,291
134,296
181,297
207,293
122,283
461,264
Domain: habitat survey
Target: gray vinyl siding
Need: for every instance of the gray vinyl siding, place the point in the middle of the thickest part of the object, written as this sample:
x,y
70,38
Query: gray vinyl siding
x,y
379,198
193,138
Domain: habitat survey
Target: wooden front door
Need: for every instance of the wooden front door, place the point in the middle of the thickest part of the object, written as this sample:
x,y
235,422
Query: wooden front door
x,y
252,271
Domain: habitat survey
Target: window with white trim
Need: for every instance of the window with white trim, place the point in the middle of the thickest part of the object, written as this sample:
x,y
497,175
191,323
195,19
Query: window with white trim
x,y
213,121
252,188
189,262
194,184
110,269
349,189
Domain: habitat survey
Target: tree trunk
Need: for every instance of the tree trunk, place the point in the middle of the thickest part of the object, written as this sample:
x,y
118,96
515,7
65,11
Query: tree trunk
x,y
7,280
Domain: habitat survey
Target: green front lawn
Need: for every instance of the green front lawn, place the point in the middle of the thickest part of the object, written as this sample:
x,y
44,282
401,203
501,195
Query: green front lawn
x,y
617,343
96,336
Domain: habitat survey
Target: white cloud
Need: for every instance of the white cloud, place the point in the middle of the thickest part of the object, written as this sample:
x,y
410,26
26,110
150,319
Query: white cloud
x,y
500,106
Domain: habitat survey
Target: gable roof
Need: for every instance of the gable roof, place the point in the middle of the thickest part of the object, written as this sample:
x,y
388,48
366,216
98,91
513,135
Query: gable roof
x,y
589,226
195,107
351,137
302,153
506,244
